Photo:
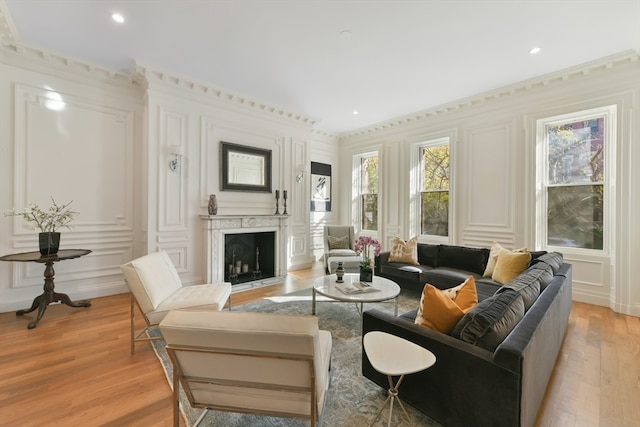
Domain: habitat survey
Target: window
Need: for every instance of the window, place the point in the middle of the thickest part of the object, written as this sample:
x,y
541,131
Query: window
x,y
368,191
574,153
434,188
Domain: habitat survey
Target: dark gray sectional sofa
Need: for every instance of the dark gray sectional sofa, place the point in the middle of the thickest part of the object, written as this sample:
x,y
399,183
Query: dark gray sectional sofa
x,y
493,369
443,266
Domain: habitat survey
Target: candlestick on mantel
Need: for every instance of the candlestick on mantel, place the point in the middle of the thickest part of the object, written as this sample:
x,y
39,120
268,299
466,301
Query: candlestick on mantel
x,y
277,203
284,194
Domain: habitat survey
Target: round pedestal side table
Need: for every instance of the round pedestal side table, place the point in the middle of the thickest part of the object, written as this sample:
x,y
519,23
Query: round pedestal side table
x,y
395,356
49,295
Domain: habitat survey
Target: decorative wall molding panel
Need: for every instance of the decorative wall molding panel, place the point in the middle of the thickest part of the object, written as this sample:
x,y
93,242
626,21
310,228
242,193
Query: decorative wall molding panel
x,y
172,196
489,176
493,161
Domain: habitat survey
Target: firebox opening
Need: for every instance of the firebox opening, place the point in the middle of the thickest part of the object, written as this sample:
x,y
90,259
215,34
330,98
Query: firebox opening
x,y
249,256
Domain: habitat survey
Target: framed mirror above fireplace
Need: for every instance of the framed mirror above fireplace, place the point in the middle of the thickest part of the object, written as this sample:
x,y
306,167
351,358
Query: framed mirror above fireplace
x,y
244,168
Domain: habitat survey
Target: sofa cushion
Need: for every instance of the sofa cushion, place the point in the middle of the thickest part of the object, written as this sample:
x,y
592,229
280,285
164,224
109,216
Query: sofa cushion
x,y
486,288
530,283
488,323
510,265
463,258
341,253
405,271
428,254
545,275
441,310
402,251
553,259
445,277
497,249
535,255
338,242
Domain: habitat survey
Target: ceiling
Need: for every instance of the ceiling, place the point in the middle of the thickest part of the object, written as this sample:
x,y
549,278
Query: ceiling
x,y
401,57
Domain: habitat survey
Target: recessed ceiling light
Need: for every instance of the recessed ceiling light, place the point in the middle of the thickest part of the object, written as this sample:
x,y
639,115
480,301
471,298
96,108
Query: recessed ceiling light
x,y
345,34
534,50
118,18
356,112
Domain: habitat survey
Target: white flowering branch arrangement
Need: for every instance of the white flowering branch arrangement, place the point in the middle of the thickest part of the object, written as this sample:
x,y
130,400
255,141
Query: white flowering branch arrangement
x,y
48,221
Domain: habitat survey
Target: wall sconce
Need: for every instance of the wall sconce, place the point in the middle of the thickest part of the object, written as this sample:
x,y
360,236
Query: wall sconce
x,y
177,151
299,177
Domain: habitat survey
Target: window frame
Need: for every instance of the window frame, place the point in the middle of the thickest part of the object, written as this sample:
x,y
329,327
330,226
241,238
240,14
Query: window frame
x,y
358,211
416,189
608,113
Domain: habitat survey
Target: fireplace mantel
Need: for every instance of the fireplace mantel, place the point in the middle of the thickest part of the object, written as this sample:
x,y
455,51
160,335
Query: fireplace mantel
x,y
217,226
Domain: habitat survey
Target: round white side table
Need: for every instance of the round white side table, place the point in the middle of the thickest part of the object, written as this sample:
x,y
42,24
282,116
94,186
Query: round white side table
x,y
395,356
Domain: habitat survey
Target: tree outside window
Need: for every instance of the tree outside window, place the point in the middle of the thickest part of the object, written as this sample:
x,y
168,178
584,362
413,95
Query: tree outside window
x,y
369,193
434,207
575,183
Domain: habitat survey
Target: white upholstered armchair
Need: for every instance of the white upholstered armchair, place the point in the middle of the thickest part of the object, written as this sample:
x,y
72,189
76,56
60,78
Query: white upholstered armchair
x,y
156,288
258,363
339,243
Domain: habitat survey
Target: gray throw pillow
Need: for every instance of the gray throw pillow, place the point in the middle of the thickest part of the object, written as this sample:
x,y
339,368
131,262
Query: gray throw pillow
x,y
488,323
338,242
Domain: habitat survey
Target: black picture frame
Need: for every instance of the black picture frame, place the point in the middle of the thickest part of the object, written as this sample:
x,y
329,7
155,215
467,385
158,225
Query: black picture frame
x,y
320,187
258,168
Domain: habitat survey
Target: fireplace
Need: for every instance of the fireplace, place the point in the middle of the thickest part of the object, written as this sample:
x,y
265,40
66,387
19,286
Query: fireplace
x,y
249,256
244,249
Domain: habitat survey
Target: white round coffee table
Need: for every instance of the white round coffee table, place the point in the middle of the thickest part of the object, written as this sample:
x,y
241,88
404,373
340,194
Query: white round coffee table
x,y
382,290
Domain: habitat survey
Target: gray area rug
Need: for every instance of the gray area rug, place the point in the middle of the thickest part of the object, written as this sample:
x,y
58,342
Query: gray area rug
x,y
353,400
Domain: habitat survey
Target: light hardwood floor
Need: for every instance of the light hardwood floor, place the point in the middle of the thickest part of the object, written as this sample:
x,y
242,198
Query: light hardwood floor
x,y
75,368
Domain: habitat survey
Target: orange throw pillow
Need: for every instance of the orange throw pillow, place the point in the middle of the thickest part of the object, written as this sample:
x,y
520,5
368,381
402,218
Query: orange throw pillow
x,y
510,265
441,312
497,249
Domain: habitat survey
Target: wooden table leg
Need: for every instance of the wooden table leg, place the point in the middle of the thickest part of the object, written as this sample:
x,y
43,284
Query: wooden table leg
x,y
49,296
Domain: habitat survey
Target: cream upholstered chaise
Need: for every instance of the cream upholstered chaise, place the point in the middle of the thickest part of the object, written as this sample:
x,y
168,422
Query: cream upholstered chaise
x,y
258,363
339,241
156,288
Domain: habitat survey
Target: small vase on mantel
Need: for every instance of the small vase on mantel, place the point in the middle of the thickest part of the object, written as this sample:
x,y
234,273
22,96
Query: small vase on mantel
x,y
49,243
213,205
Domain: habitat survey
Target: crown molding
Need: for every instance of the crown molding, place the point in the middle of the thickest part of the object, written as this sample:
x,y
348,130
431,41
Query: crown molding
x,y
12,48
144,74
37,56
608,62
8,31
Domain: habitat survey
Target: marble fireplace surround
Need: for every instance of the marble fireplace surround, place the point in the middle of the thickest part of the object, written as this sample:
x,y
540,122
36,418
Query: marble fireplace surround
x,y
218,226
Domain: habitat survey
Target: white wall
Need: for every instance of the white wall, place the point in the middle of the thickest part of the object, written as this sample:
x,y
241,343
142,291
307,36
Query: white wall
x,y
197,117
493,169
324,149
86,152
109,150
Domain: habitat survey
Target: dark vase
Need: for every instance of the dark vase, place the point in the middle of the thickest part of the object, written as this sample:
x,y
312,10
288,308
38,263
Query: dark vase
x,y
213,205
339,272
49,243
366,275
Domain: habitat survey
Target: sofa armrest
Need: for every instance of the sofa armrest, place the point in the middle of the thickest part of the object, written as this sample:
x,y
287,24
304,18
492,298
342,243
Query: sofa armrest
x,y
456,384
382,258
436,342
